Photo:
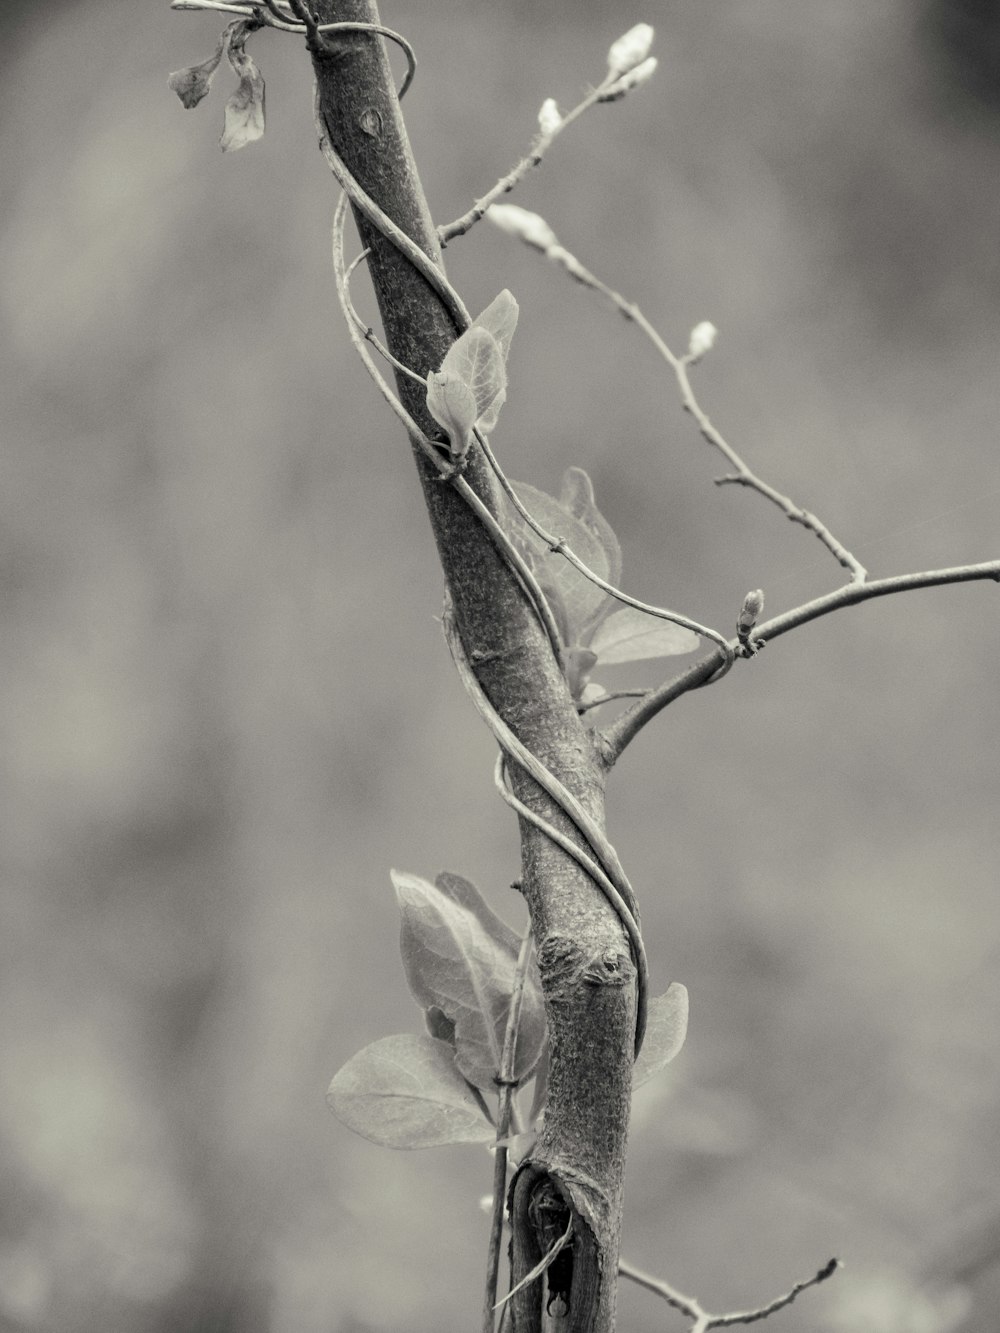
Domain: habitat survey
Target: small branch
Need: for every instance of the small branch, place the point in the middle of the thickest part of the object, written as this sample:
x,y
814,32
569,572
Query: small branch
x,y
703,1319
679,365
618,734
530,160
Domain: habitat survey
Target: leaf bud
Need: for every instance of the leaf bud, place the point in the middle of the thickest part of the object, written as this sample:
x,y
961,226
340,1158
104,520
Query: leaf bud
x,y
519,222
702,339
753,604
629,50
549,118
635,78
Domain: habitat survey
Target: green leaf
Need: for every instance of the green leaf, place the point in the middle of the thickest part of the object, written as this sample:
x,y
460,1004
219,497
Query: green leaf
x,y
406,1092
500,319
245,109
465,893
452,404
477,359
460,959
439,1025
631,635
577,495
470,387
666,1028
576,603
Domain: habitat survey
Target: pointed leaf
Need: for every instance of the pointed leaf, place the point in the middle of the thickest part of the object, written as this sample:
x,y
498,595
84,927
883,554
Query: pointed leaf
x,y
577,495
453,961
465,893
406,1092
452,404
477,361
631,635
666,1027
576,601
500,319
193,83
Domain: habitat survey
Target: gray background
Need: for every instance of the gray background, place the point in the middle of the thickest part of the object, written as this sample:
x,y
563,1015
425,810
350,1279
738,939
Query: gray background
x,y
227,708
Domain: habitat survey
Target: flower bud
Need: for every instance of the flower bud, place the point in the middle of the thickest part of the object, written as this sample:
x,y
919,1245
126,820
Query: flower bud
x,y
528,227
631,49
702,339
635,78
549,118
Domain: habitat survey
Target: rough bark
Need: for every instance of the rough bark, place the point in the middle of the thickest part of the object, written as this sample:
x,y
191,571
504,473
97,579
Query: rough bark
x,y
586,970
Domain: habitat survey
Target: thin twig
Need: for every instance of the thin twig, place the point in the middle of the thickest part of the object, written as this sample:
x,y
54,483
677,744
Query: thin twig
x,y
618,734
505,1103
703,1319
530,160
679,365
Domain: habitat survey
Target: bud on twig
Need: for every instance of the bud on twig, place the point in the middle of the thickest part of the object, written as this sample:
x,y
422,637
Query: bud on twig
x,y
629,50
549,118
528,227
635,78
702,340
753,604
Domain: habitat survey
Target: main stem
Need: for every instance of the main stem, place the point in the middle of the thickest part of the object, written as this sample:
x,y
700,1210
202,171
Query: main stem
x,y
577,1166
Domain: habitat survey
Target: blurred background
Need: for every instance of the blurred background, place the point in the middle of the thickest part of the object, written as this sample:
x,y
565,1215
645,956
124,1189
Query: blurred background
x,y
227,708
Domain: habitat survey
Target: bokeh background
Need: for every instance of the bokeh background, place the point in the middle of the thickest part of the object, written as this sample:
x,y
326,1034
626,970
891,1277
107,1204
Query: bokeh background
x,y
227,708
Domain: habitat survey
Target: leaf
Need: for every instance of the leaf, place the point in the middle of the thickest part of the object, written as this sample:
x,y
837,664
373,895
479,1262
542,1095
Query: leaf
x,y
478,358
452,404
460,959
577,495
500,319
245,108
439,1025
631,635
578,664
192,84
469,388
406,1092
577,603
666,1028
465,893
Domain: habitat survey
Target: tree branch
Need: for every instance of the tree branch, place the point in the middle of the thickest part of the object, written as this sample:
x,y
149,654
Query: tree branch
x,y
580,1155
620,733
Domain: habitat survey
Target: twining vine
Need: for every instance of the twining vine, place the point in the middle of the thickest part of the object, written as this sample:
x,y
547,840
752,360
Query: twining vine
x,y
464,396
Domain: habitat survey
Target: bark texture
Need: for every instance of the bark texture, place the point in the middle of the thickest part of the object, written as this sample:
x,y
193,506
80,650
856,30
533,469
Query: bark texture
x,y
587,973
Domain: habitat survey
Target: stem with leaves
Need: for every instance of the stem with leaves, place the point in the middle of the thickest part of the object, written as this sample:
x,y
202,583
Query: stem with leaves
x,y
524,669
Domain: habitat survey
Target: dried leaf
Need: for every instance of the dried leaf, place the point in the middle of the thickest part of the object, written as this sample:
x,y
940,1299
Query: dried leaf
x,y
406,1092
631,635
245,108
192,84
